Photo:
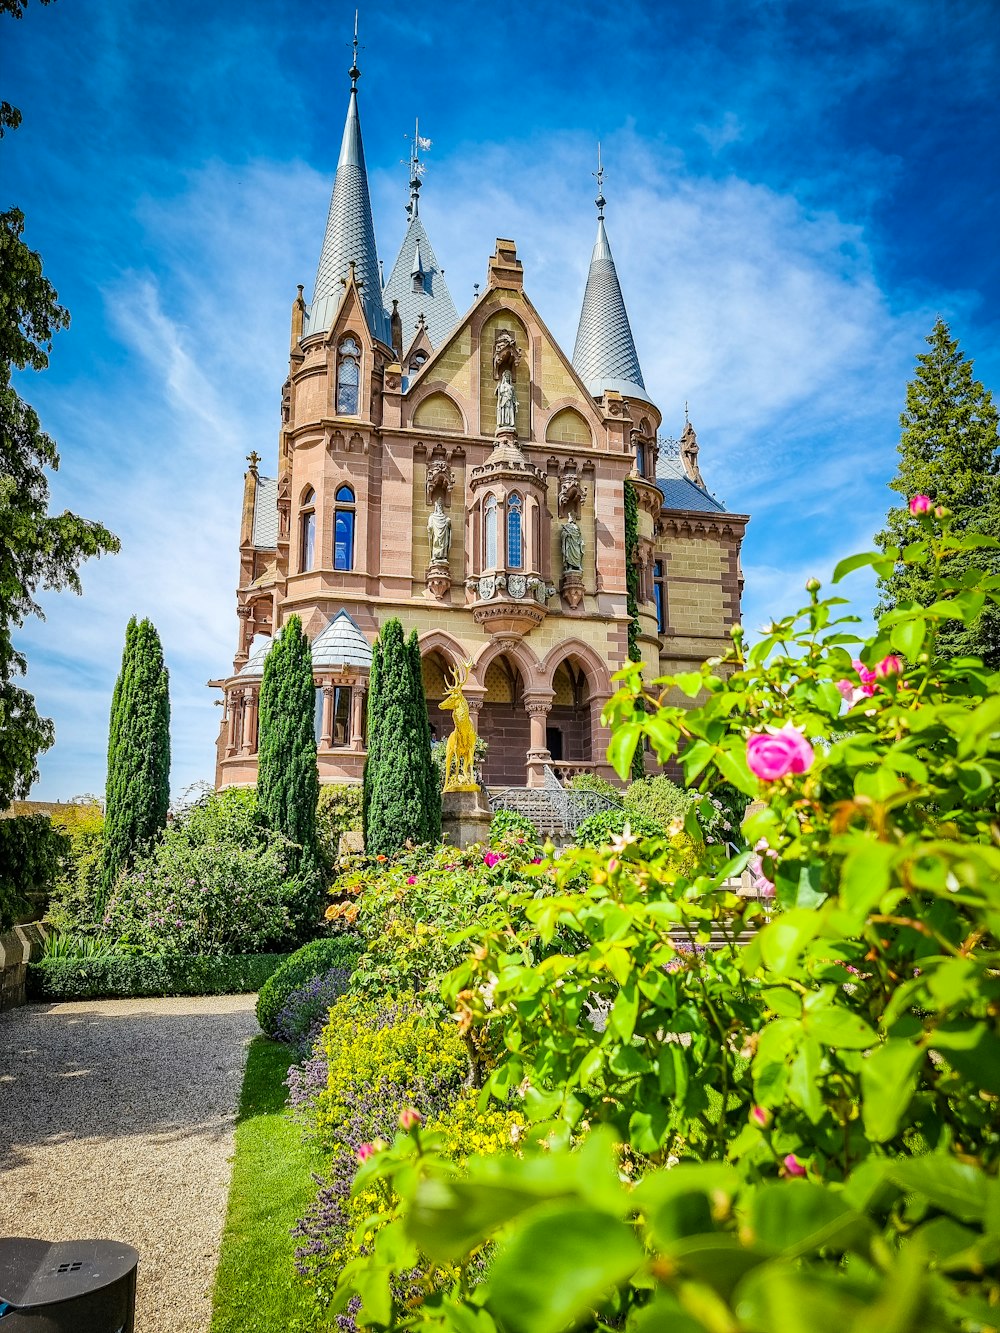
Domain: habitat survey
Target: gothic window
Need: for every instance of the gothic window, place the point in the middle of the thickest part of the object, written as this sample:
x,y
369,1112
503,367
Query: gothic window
x,y
341,715
660,595
307,531
515,553
348,377
343,529
490,532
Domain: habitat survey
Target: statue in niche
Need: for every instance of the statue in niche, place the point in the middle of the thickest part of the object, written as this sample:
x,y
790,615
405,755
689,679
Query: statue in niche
x,y
571,540
506,403
439,530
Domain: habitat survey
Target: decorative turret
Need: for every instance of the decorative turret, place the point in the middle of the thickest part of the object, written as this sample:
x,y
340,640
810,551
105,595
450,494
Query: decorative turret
x,y
604,356
416,284
350,232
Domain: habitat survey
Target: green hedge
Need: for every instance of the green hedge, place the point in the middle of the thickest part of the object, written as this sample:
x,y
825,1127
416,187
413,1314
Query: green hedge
x,y
122,975
299,968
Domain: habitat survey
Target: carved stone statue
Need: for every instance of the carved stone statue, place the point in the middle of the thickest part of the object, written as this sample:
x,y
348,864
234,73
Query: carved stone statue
x,y
571,539
506,403
439,530
506,353
689,455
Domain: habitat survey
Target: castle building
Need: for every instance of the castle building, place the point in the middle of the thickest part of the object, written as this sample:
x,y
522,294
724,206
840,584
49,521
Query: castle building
x,y
463,473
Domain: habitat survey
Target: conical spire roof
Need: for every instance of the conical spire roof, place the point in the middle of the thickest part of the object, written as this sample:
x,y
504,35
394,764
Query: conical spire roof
x,y
350,236
432,299
604,356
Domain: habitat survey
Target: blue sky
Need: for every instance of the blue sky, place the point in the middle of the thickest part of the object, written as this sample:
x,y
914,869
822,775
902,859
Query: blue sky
x,y
796,188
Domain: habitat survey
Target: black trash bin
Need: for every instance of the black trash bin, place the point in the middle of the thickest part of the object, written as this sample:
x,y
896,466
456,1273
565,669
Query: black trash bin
x,y
66,1286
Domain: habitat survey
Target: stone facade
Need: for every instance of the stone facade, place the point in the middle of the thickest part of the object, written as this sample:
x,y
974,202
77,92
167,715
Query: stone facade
x,y
345,526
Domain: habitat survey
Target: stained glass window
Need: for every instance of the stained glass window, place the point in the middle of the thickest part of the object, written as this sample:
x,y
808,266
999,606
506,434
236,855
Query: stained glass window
x,y
515,554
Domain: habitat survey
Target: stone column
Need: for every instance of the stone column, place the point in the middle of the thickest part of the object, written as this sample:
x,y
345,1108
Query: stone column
x,y
246,741
358,696
537,707
232,711
600,737
326,726
245,614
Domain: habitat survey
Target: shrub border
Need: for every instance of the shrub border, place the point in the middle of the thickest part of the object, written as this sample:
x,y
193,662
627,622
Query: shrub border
x,y
125,975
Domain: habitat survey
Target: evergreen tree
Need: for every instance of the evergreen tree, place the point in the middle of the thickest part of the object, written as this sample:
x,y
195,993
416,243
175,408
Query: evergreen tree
x,y
287,776
432,793
138,787
400,796
632,596
948,451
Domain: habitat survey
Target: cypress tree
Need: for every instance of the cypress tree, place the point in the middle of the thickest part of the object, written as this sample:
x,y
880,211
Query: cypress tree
x,y
432,794
287,776
399,805
947,451
138,787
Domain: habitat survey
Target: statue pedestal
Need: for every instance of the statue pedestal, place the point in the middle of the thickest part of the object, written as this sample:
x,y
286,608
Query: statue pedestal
x,y
465,817
571,588
438,578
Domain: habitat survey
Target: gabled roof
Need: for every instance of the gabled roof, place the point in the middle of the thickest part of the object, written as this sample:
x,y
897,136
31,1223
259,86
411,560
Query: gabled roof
x,y
264,535
341,644
350,236
677,488
604,355
416,255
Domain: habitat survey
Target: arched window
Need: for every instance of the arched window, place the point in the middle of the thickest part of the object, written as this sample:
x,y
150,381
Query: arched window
x,y
490,532
417,361
515,546
343,529
348,377
307,531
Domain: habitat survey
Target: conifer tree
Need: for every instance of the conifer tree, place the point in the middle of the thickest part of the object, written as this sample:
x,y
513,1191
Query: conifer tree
x,y
287,776
401,803
138,787
947,451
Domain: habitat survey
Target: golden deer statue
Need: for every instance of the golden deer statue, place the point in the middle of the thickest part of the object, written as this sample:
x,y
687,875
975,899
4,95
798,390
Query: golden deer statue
x,y
460,754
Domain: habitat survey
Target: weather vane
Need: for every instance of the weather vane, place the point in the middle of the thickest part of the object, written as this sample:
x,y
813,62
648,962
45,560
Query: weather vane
x,y
418,145
354,72
600,201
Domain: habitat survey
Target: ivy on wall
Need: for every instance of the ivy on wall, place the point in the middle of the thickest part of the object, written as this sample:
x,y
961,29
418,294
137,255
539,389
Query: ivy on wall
x,y
632,592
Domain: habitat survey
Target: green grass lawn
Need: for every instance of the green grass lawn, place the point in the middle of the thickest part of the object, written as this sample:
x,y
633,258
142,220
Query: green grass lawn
x,y
256,1290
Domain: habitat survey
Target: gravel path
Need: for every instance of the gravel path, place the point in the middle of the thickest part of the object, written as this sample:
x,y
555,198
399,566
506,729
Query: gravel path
x,y
116,1120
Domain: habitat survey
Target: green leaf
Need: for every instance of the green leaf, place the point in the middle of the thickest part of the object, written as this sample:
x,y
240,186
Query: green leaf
x,y
558,1265
732,764
865,874
982,724
625,1010
372,1284
798,1217
853,562
908,636
955,1187
624,739
888,1082
840,1027
648,1129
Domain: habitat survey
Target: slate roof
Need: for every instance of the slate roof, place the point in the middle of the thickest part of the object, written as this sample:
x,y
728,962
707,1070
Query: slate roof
x,y
350,235
434,302
253,667
341,644
604,355
264,535
677,488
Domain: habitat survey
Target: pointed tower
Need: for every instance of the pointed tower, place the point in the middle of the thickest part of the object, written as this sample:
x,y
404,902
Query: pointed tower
x,y
350,232
604,356
416,282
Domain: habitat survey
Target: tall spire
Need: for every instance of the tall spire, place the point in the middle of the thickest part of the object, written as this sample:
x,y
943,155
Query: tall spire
x,y
416,284
604,356
350,232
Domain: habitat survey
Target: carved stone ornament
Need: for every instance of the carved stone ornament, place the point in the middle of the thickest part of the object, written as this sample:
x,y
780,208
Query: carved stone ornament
x,y
487,587
438,580
440,478
517,585
572,494
506,354
571,588
439,534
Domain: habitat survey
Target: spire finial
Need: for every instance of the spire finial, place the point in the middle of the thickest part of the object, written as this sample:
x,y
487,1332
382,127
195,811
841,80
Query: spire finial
x,y
417,169
354,72
687,419
600,201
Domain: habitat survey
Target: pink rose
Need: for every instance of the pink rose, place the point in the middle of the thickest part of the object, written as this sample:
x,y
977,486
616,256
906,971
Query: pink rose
x,y
536,860
490,859
775,754
409,1117
792,1165
866,676
760,1116
889,666
411,879
365,1151
920,504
